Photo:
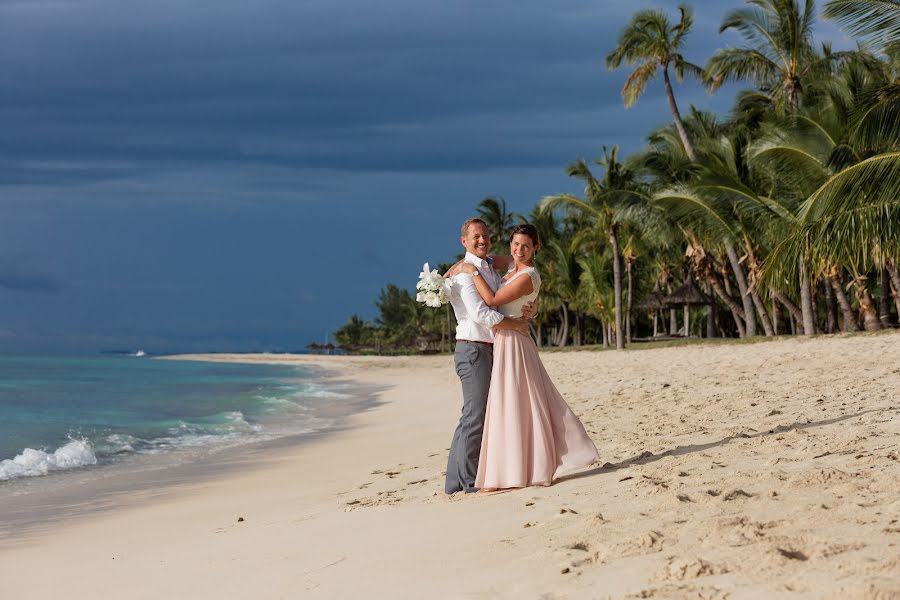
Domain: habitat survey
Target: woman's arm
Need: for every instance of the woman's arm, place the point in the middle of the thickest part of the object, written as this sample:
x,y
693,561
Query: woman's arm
x,y
520,286
502,263
454,269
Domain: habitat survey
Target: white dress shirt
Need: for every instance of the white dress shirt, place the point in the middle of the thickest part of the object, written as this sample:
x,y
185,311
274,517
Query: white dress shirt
x,y
474,318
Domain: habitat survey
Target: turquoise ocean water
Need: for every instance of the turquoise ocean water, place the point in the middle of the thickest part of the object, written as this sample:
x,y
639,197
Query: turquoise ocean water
x,y
71,414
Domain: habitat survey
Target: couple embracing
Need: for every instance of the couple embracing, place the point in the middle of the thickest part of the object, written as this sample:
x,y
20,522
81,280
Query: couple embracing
x,y
515,429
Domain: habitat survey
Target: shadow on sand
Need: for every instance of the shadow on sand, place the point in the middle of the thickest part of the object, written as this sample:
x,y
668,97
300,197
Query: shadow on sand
x,y
648,457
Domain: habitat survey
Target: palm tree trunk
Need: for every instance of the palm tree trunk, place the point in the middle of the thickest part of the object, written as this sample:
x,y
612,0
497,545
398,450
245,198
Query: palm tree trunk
x,y
884,304
655,323
867,306
743,288
762,314
830,307
736,309
577,328
687,321
540,337
809,325
793,309
710,316
895,282
628,303
676,116
605,329
617,287
564,333
843,302
776,316
761,311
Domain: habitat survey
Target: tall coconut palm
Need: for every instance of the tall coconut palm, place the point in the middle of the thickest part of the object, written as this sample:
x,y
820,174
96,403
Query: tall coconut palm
x,y
492,210
652,43
725,191
603,200
779,55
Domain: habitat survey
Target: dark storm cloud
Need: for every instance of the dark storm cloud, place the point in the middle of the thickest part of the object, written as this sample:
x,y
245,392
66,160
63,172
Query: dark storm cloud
x,y
204,175
19,276
342,85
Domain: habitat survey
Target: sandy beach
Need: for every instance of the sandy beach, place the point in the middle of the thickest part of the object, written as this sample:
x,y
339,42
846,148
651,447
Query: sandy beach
x,y
765,470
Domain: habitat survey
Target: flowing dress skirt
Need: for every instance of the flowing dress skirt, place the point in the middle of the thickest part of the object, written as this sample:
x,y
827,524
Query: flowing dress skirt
x,y
530,434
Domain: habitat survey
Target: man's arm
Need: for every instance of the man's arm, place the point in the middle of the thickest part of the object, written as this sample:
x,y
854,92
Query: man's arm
x,y
520,325
529,310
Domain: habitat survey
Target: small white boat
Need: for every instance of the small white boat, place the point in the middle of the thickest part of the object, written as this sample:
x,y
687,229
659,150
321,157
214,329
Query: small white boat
x,y
140,353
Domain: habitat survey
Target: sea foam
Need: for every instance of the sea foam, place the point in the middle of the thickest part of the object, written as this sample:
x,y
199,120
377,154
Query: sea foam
x,y
31,462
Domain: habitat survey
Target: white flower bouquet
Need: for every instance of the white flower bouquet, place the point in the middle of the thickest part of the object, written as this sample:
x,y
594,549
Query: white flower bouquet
x,y
432,290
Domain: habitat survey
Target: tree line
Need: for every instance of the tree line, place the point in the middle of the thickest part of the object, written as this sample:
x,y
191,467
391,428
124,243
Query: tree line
x,y
782,217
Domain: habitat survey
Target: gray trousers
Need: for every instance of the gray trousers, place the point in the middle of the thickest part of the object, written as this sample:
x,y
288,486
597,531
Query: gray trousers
x,y
473,365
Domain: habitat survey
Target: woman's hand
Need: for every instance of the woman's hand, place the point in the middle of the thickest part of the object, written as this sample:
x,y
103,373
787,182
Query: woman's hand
x,y
454,270
467,268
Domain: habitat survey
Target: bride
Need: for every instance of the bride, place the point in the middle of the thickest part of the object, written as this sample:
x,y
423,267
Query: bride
x,y
531,436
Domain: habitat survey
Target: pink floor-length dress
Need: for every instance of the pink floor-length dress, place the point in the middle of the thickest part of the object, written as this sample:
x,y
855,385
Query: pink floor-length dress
x,y
531,436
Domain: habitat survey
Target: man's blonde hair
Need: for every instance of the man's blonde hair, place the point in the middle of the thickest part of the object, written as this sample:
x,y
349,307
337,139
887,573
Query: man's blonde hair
x,y
467,222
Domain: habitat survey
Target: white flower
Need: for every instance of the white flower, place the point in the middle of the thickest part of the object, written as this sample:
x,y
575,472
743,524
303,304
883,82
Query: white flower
x,y
432,289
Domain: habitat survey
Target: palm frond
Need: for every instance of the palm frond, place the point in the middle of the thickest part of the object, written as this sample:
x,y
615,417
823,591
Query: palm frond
x,y
759,27
694,211
877,119
733,64
637,82
874,180
876,22
549,203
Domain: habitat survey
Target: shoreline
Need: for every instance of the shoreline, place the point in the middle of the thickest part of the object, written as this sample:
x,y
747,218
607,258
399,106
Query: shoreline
x,y
35,504
750,471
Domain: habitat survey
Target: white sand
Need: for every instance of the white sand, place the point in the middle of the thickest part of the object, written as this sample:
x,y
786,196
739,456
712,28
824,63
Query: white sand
x,y
769,470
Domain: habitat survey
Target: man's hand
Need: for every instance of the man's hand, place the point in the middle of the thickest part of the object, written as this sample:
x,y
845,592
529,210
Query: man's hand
x,y
529,311
518,325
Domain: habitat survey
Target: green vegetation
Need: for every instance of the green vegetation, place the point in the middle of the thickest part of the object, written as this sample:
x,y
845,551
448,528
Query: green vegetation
x,y
782,217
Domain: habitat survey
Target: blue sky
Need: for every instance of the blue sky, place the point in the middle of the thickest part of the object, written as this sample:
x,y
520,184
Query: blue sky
x,y
245,175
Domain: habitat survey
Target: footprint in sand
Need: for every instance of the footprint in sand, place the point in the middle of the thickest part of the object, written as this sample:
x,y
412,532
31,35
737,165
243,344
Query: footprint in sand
x,y
682,592
681,569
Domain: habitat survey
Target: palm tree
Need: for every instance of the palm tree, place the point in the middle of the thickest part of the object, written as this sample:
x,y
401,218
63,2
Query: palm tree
x,y
492,210
780,55
594,295
601,205
852,219
652,43
710,202
875,21
558,271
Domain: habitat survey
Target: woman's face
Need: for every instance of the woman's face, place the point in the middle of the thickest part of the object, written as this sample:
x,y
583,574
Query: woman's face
x,y
522,248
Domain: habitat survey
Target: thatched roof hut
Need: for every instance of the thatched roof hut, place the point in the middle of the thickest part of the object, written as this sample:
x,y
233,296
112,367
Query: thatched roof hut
x,y
653,301
687,295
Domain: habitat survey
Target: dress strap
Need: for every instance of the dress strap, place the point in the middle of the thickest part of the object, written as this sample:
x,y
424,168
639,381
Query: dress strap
x,y
528,270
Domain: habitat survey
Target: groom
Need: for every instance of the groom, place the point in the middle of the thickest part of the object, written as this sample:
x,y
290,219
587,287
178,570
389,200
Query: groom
x,y
474,351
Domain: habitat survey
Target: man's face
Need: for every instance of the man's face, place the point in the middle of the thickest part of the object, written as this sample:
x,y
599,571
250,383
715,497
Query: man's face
x,y
477,240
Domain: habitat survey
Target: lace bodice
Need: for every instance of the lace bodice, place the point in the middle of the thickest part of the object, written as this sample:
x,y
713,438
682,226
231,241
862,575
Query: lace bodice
x,y
514,308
